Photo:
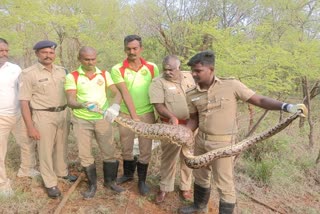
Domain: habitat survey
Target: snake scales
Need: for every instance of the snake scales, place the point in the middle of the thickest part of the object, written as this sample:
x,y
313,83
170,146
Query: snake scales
x,y
184,137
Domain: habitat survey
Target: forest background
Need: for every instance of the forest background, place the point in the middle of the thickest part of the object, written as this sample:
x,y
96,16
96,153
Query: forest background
x,y
272,46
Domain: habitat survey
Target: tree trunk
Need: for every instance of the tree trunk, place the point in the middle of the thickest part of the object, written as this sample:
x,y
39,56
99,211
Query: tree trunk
x,y
257,123
307,102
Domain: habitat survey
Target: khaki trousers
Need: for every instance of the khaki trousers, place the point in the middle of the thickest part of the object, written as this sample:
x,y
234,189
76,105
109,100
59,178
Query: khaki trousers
x,y
221,169
127,138
16,126
87,130
169,157
52,146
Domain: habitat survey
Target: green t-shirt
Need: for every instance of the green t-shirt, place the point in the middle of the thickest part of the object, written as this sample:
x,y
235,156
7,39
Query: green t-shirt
x,y
137,82
89,90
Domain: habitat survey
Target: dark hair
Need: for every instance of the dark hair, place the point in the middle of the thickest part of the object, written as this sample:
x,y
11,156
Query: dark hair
x,y
3,41
131,38
204,58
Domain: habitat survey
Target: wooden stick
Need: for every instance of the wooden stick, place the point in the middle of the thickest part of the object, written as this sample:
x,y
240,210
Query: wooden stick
x,y
67,195
260,202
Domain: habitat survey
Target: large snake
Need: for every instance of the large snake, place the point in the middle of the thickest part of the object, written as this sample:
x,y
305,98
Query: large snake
x,y
184,137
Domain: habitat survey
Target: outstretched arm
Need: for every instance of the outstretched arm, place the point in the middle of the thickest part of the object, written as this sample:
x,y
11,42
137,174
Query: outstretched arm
x,y
72,100
127,100
272,104
115,94
265,102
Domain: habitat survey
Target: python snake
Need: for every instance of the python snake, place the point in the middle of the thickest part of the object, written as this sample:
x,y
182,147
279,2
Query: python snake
x,y
184,137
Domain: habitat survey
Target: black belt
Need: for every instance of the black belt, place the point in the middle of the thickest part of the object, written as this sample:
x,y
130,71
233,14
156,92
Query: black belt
x,y
52,109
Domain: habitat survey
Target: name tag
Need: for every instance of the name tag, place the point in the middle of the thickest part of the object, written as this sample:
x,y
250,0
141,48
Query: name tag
x,y
195,99
172,88
43,80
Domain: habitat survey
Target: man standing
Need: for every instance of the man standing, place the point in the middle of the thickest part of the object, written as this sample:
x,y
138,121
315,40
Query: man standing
x,y
43,106
168,94
86,90
133,77
213,107
11,121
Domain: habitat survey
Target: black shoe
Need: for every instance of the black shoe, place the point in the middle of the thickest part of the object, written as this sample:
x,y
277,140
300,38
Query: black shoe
x,y
91,173
70,178
53,192
142,175
110,171
129,167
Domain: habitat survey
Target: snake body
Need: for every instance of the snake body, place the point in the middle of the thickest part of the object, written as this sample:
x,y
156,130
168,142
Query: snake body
x,y
184,137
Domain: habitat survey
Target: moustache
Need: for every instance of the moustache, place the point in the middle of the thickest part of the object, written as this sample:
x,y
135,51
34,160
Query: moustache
x,y
47,58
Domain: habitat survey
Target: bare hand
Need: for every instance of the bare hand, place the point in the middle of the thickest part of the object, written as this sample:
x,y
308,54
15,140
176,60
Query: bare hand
x,y
33,134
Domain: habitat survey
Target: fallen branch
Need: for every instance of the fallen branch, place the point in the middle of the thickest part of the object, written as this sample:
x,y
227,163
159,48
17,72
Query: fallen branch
x,y
260,202
67,195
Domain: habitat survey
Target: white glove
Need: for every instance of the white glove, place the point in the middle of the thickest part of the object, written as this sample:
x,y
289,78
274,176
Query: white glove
x,y
91,106
112,112
294,108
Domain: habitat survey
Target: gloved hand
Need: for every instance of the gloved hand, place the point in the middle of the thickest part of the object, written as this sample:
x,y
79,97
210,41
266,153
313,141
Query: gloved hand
x,y
294,108
91,106
112,112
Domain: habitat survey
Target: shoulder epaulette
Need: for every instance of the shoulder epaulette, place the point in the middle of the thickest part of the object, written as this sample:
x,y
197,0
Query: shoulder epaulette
x,y
227,78
28,69
189,90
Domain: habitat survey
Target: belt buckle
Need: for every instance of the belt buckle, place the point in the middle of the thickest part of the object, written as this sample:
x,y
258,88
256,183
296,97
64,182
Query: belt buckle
x,y
203,135
57,109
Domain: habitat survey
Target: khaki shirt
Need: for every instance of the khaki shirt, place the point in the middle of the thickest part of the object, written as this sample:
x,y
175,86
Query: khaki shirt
x,y
217,106
42,88
172,94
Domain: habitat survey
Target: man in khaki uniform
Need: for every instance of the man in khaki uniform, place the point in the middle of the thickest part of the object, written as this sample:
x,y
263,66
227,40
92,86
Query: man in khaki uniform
x,y
43,106
86,90
213,107
12,122
168,94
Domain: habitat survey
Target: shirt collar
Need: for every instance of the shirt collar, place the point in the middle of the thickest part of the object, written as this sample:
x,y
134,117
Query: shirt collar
x,y
5,65
81,71
125,63
42,67
216,80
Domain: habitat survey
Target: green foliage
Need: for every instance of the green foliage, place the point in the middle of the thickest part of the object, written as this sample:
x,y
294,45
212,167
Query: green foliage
x,y
259,42
261,171
263,158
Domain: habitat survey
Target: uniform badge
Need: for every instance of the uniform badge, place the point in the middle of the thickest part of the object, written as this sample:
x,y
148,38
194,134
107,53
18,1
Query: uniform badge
x,y
144,72
100,82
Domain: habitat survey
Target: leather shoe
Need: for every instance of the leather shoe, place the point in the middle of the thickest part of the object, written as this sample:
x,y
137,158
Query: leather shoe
x,y
161,195
70,178
53,192
186,195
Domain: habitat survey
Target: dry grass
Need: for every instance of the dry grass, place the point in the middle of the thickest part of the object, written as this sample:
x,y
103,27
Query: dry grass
x,y
294,186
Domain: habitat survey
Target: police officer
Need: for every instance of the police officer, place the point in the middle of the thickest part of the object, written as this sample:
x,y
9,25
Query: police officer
x,y
168,94
86,90
213,107
43,106
133,77
11,121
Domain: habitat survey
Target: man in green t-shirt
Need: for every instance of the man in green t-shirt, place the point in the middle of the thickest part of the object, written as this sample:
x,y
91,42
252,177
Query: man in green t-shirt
x,y
86,90
133,77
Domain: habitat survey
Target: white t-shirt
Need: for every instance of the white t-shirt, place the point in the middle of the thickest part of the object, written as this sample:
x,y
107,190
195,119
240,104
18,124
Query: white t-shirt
x,y
9,89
